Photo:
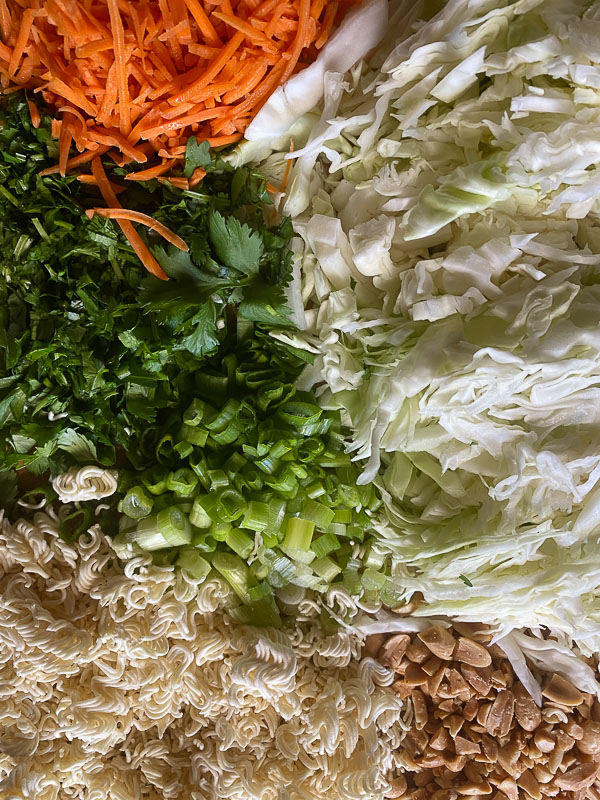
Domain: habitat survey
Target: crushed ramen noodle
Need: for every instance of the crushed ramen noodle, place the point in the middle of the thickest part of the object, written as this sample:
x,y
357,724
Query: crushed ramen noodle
x,y
132,682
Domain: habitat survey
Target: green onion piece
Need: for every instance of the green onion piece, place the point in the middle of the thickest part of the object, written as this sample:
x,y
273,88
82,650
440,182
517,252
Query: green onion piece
x,y
256,517
218,479
136,504
326,568
315,490
220,530
191,561
280,448
249,478
234,464
124,547
75,525
259,571
343,515
203,541
355,533
270,539
225,416
325,544
198,515
164,449
297,414
155,480
285,481
260,608
182,481
298,556
351,581
183,449
193,435
240,542
373,580
199,465
375,558
169,528
338,528
235,572
299,533
268,464
309,449
230,505
348,496
319,513
199,411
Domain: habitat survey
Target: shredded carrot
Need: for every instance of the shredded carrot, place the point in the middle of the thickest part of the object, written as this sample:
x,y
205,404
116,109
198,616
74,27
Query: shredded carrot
x,y
179,183
155,72
288,167
132,236
34,113
91,180
144,219
197,176
147,174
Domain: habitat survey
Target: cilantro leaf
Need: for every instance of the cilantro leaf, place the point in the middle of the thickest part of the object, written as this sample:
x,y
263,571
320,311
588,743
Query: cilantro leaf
x,y
202,341
196,155
236,245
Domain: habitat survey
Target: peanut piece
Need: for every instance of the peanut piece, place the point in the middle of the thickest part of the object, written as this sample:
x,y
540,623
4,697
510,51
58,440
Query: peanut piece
x,y
394,650
439,641
527,713
373,645
578,778
469,652
590,740
562,691
397,788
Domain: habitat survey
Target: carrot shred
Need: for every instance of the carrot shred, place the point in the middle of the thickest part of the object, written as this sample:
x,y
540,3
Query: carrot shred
x,y
288,167
148,174
178,183
144,219
197,176
34,114
84,178
139,77
135,240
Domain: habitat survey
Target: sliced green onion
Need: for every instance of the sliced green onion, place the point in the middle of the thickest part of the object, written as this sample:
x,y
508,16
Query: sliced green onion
x,y
325,544
338,528
199,411
203,541
256,517
182,481
193,435
344,516
230,505
240,542
234,464
199,517
373,580
136,504
375,558
299,533
199,464
191,561
319,513
355,533
218,479
315,489
326,568
183,449
155,480
220,531
169,528
235,572
75,525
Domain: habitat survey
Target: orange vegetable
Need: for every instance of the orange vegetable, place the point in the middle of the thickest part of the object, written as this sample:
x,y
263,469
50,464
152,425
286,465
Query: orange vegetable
x,y
140,76
144,219
132,236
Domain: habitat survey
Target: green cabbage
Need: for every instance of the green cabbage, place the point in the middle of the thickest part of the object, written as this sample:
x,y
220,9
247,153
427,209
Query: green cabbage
x,y
446,203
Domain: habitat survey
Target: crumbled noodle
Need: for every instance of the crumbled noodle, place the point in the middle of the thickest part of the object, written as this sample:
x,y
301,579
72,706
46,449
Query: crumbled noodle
x,y
134,684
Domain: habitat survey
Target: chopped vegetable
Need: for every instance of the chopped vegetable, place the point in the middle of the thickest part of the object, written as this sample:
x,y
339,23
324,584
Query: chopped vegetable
x,y
142,77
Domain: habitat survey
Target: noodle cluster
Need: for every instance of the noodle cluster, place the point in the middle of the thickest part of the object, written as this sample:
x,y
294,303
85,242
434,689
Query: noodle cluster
x,y
134,683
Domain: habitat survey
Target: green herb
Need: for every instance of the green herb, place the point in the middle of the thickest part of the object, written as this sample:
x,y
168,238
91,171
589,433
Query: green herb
x,y
94,352
465,580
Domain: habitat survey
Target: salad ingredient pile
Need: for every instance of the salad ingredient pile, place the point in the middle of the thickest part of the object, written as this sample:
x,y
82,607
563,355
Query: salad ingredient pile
x,y
449,281
140,78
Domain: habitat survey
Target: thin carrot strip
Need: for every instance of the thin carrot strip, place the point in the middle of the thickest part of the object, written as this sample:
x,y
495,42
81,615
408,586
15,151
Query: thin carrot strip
x,y
288,167
5,52
178,183
21,43
90,179
143,219
197,176
34,114
116,24
205,26
328,20
74,94
76,161
213,70
135,240
114,139
5,21
176,124
147,174
252,33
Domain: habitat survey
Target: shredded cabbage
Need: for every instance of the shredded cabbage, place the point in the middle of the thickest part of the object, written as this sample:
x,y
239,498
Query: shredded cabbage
x,y
447,202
